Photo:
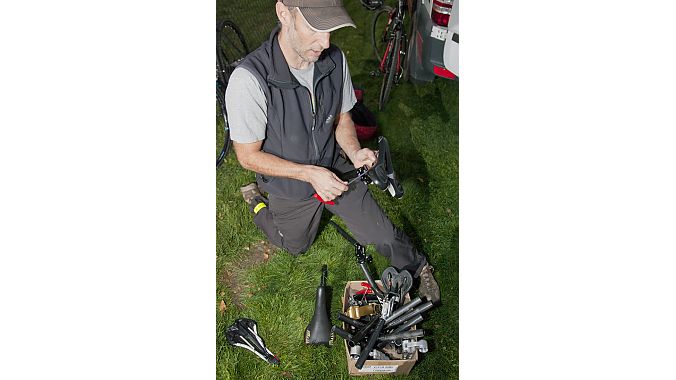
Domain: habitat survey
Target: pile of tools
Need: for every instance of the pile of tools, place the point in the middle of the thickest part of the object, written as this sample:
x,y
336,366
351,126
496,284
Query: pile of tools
x,y
379,323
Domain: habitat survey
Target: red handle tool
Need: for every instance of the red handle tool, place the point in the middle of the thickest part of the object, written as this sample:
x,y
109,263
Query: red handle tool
x,y
331,203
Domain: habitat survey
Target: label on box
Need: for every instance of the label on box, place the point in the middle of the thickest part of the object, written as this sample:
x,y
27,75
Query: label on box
x,y
379,368
439,33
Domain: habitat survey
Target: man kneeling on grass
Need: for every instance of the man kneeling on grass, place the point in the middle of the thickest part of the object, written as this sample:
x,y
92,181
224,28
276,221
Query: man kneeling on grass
x,y
288,106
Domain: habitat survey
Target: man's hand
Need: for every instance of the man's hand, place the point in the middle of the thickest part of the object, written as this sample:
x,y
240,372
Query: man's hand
x,y
327,185
364,156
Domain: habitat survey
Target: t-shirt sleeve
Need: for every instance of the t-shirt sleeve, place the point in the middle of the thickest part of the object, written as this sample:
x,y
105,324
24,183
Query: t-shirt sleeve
x,y
246,106
349,99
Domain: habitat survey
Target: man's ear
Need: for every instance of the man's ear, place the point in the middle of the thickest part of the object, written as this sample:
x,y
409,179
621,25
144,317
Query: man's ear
x,y
283,14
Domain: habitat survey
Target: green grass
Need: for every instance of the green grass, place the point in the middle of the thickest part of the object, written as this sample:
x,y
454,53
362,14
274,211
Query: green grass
x,y
421,124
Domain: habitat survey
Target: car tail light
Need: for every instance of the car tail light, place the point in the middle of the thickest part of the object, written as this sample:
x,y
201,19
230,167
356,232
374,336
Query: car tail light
x,y
441,11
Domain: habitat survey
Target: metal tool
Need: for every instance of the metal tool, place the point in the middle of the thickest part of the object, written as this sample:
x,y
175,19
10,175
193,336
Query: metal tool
x,y
408,324
378,355
356,312
362,299
414,302
393,321
360,173
402,335
355,350
409,346
362,259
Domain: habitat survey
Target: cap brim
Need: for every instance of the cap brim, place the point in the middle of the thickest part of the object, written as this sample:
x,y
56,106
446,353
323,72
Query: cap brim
x,y
327,19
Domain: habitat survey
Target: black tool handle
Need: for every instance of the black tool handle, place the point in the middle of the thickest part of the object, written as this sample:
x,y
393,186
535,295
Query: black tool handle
x,y
361,334
352,322
341,333
371,343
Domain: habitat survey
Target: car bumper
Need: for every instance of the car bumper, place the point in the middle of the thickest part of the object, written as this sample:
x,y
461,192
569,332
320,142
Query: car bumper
x,y
426,51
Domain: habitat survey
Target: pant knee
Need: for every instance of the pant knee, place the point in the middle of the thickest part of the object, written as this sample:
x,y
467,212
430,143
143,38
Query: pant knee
x,y
387,237
297,248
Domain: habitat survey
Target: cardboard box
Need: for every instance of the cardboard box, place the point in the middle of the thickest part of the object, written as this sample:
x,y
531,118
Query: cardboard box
x,y
372,367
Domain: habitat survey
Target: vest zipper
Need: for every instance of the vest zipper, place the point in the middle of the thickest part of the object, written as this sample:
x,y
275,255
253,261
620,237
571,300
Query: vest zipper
x,y
314,140
314,122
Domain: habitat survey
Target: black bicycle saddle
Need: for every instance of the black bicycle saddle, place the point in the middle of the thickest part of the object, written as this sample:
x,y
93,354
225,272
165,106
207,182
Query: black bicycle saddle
x,y
318,331
382,173
244,333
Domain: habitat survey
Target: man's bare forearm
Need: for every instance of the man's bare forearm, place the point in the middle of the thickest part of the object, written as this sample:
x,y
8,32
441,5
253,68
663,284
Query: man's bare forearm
x,y
325,182
346,135
271,165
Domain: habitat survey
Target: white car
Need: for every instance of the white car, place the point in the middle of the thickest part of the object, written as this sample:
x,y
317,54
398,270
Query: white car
x,y
434,45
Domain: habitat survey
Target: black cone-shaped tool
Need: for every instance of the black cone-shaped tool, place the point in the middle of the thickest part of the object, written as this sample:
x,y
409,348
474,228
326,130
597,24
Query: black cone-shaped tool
x,y
319,329
244,333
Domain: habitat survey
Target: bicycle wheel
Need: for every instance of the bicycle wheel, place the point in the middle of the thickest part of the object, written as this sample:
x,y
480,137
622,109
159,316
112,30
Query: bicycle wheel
x,y
392,67
380,30
231,47
222,128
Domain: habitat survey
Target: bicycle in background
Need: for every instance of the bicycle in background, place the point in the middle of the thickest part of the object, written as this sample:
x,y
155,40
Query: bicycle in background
x,y
390,44
231,48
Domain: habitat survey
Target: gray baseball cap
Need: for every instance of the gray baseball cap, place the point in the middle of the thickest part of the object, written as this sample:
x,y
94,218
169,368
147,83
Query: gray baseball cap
x,y
323,15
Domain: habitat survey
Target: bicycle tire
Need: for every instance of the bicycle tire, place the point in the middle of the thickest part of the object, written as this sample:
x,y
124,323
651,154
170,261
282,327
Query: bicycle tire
x,y
222,125
231,48
391,71
380,30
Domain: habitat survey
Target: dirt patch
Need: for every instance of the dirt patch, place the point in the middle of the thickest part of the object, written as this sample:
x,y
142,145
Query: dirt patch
x,y
232,276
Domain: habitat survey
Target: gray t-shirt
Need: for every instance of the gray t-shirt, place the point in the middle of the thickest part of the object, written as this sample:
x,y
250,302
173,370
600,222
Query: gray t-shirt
x,y
247,107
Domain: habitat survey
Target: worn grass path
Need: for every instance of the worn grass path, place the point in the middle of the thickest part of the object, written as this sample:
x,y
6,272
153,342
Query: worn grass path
x,y
277,290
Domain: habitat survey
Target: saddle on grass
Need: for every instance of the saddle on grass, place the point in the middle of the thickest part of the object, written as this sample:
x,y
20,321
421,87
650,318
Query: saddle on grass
x,y
244,333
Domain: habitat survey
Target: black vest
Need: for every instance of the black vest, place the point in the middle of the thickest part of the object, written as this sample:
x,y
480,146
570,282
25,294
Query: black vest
x,y
296,132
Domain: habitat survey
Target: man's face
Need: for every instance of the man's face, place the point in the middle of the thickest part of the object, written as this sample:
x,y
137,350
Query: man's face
x,y
306,42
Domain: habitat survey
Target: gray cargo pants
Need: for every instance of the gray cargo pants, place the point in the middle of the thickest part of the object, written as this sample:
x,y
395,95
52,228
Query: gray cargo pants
x,y
293,225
